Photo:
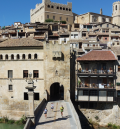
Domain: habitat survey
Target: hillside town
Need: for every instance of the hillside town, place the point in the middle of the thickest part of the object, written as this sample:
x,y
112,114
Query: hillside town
x,y
59,55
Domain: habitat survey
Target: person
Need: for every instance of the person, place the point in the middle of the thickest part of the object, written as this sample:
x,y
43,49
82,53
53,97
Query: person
x,y
61,109
45,112
52,106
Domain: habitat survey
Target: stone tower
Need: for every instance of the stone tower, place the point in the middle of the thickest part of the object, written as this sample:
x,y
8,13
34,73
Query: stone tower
x,y
116,13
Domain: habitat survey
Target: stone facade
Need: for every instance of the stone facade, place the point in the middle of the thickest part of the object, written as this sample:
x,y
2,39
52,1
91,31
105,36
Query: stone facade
x,y
50,10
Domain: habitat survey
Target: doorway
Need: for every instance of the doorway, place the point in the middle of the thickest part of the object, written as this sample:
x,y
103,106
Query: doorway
x,y
56,92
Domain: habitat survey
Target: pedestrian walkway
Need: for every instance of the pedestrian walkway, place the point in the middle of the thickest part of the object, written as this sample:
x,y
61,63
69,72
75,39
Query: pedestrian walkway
x,y
54,119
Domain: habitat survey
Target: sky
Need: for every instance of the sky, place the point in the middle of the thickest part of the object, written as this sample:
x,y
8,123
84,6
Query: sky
x,y
19,10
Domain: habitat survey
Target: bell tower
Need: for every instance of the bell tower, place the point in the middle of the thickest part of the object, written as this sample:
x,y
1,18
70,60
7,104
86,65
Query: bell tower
x,y
116,13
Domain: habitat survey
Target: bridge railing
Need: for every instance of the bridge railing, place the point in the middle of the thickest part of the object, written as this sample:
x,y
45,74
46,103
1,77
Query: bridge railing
x,y
74,112
30,122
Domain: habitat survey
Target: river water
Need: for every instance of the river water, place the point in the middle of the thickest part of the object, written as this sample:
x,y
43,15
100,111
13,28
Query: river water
x,y
11,126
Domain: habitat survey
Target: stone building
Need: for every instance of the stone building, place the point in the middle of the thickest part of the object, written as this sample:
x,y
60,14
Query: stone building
x,y
50,10
91,17
49,63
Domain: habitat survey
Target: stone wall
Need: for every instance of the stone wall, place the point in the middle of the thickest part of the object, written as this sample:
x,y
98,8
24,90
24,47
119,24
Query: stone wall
x,y
110,115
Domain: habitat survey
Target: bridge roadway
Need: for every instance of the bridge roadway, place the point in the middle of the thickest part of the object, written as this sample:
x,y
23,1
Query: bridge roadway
x,y
54,119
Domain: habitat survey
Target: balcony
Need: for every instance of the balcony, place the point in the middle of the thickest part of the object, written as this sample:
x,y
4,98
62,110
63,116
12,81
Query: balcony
x,y
96,86
96,72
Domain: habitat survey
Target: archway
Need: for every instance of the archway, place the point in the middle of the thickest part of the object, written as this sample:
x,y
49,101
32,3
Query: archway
x,y
56,92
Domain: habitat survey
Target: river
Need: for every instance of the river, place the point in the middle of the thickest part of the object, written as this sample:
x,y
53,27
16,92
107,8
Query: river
x,y
11,126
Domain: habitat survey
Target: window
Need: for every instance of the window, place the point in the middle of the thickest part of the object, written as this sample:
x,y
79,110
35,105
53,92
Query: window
x,y
23,56
47,16
66,9
25,73
10,88
93,93
93,45
60,8
18,56
117,43
60,18
107,25
67,19
64,40
85,92
88,45
25,96
118,93
35,56
57,7
69,9
116,7
52,6
30,27
101,25
76,25
48,6
6,57
12,57
105,38
110,94
1,57
118,57
55,28
35,73
29,56
53,17
36,96
10,73
63,8
118,68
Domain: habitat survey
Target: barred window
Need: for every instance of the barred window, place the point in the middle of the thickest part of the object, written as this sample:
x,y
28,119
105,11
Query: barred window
x,y
35,73
25,73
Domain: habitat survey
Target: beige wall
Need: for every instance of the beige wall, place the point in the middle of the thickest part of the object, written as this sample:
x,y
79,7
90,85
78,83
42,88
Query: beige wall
x,y
15,107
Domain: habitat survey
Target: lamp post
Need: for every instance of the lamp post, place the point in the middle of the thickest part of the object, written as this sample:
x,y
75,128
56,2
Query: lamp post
x,y
31,88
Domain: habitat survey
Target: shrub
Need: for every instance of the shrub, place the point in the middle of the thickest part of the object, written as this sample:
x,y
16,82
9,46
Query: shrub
x,y
96,117
49,20
63,22
5,119
109,125
11,122
114,127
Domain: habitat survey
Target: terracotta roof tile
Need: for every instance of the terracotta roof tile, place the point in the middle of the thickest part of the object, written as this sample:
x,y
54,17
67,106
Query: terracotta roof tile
x,y
20,43
97,55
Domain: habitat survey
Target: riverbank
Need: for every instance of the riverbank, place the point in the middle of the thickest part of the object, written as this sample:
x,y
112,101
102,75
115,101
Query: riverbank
x,y
95,125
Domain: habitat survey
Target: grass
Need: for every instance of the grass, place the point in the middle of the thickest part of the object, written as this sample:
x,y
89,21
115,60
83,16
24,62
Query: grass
x,y
18,122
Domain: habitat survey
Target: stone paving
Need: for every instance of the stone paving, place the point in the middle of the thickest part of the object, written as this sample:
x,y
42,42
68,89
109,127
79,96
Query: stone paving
x,y
54,119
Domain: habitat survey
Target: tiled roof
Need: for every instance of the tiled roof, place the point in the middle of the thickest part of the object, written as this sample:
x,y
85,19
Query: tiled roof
x,y
21,43
97,55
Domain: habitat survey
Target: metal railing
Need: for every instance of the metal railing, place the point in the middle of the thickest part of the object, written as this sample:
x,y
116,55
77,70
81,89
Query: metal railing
x,y
98,86
96,71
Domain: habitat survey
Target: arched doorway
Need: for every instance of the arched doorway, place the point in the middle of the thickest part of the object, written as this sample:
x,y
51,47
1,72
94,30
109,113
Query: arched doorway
x,y
56,92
